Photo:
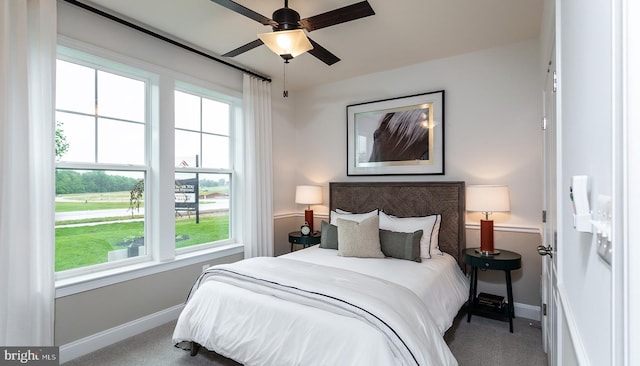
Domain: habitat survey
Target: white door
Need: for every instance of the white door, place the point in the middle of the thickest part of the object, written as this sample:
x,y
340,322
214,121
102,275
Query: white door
x,y
549,232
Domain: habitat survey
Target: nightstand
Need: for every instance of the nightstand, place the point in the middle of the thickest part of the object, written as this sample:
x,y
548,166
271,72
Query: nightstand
x,y
296,237
506,261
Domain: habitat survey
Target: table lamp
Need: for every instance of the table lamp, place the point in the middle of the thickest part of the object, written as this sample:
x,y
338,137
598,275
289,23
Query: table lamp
x,y
487,199
309,195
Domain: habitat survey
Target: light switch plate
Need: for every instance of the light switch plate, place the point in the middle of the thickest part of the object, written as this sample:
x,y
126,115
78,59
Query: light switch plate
x,y
602,227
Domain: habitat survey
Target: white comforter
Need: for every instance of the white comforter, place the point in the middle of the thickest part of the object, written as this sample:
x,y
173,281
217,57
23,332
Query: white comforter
x,y
284,311
438,281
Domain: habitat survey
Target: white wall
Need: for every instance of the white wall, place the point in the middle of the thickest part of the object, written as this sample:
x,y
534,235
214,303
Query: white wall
x,y
586,87
285,149
492,135
492,124
84,26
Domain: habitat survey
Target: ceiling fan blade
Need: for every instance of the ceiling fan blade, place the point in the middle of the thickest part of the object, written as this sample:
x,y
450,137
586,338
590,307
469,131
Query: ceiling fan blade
x,y
322,53
337,16
243,49
233,6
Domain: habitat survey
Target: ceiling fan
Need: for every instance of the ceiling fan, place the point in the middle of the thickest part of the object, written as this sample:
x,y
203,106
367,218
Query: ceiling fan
x,y
286,19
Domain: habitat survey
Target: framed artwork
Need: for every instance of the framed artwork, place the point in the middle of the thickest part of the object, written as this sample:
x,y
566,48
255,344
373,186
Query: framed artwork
x,y
396,136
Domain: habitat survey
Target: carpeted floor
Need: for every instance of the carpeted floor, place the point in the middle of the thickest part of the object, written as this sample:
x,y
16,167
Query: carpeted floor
x,y
480,342
488,342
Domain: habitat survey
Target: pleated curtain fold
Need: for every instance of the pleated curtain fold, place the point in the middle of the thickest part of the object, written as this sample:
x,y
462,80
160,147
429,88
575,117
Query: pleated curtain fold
x,y
257,215
27,175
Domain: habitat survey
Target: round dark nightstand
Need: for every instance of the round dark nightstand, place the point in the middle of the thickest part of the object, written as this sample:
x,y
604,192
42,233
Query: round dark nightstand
x,y
296,237
505,261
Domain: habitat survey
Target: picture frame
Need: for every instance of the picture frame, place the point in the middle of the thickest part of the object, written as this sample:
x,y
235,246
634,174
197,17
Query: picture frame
x,y
397,136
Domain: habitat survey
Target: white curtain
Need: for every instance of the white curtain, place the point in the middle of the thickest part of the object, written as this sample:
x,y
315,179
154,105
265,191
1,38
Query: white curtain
x,y
257,168
27,94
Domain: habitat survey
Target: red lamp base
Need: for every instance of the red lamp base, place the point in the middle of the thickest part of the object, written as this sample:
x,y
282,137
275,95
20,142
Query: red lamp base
x,y
486,237
308,217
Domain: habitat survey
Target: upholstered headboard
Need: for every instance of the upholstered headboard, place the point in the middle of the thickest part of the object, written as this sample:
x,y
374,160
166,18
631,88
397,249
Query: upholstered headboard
x,y
406,199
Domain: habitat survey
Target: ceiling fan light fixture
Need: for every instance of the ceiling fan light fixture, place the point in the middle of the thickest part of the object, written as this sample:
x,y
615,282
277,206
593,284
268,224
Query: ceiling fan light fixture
x,y
290,42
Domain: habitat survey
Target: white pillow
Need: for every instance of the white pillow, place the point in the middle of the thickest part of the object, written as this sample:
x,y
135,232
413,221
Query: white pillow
x,y
430,225
341,214
359,239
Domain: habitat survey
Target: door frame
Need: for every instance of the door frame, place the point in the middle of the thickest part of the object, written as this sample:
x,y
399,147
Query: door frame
x,y
626,316
549,222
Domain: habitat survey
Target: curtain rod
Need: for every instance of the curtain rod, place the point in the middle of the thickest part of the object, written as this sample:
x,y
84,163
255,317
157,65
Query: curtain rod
x,y
163,38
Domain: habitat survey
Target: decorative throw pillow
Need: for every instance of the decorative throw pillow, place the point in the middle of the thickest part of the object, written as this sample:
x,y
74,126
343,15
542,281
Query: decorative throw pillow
x,y
329,236
434,245
341,214
401,245
413,224
359,239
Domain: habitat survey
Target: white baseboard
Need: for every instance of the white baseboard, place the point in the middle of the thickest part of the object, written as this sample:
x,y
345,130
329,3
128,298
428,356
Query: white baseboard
x,y
108,337
527,311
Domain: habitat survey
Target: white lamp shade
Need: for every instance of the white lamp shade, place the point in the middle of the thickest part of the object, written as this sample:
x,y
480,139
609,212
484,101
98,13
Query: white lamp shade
x,y
487,198
309,195
290,42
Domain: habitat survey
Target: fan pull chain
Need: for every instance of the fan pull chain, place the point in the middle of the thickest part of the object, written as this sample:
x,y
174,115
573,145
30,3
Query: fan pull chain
x,y
285,92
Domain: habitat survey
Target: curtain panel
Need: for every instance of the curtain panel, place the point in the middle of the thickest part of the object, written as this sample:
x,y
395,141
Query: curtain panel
x,y
27,178
257,168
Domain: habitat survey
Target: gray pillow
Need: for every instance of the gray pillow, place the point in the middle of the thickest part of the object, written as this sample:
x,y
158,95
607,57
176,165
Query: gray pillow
x,y
359,239
401,245
329,238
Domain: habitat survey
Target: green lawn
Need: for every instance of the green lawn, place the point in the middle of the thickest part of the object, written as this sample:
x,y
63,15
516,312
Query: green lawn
x,y
91,205
88,245
92,201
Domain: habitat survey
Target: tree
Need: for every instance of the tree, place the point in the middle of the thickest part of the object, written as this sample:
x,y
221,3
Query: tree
x,y
61,141
137,194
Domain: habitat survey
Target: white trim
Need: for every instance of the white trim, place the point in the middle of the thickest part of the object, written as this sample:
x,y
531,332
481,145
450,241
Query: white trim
x,y
631,179
111,336
506,228
287,215
92,281
574,331
527,311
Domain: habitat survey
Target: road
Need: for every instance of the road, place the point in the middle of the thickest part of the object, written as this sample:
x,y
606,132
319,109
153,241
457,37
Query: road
x,y
81,215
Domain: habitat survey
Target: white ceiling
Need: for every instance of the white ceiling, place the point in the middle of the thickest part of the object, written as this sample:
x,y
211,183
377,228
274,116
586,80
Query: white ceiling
x,y
401,32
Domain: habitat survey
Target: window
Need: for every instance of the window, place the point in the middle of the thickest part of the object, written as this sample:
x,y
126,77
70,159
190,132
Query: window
x,y
102,115
123,197
94,224
101,156
203,174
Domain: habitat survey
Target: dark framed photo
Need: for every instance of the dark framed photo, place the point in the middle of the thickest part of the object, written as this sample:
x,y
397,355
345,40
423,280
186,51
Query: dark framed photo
x,y
396,136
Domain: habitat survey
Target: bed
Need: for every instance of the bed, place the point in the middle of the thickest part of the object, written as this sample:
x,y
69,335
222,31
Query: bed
x,y
325,305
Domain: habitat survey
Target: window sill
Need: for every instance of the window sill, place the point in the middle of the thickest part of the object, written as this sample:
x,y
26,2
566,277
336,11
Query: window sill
x,y
70,286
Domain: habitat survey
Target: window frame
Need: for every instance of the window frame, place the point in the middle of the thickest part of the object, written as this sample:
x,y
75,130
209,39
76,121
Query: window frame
x,y
159,170
83,58
234,104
